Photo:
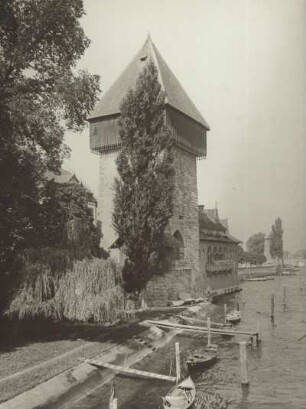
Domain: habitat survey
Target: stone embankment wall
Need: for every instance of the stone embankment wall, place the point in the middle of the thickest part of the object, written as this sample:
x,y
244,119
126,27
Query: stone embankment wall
x,y
163,289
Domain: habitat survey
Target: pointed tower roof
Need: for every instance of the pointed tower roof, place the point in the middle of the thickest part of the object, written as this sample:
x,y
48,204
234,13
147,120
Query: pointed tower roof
x,y
176,96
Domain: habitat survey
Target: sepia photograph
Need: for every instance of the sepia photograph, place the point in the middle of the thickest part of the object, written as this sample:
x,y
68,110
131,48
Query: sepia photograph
x,y
152,204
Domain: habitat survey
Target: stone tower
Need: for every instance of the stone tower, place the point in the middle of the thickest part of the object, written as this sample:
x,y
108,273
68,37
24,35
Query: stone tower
x,y
189,129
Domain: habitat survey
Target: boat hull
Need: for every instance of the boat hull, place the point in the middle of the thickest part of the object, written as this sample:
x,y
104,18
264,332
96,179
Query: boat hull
x,y
195,364
180,396
234,317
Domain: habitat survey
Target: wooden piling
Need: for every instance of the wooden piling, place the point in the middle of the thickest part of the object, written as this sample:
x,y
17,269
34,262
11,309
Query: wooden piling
x,y
237,302
112,399
272,306
258,332
284,296
208,332
225,313
243,363
177,362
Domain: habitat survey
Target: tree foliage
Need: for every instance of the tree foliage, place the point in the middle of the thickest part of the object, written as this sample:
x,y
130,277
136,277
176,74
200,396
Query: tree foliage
x,y
256,243
276,247
245,257
66,221
40,92
144,189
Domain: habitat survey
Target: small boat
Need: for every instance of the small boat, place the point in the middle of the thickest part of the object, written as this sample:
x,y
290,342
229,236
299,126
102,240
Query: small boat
x,y
201,361
181,396
233,317
197,321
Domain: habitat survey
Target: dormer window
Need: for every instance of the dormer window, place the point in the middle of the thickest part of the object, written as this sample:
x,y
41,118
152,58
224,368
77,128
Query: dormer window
x,y
143,58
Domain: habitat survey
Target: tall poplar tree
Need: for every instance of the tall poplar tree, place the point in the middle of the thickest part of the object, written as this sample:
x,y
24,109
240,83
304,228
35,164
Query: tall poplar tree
x,y
276,247
144,189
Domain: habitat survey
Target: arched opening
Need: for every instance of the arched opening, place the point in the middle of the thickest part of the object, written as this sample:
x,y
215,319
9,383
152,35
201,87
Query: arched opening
x,y
180,253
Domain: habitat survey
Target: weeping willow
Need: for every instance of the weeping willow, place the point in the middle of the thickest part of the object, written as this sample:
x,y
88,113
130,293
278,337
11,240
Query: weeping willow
x,y
90,291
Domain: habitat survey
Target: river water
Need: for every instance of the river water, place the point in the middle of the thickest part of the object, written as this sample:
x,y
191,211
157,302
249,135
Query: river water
x,y
276,369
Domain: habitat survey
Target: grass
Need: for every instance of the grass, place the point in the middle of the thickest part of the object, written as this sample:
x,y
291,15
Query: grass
x,y
41,358
26,348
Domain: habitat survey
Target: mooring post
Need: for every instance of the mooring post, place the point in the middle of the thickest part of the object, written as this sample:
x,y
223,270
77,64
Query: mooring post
x,y
272,306
284,296
177,362
258,332
113,403
208,332
243,363
237,302
225,313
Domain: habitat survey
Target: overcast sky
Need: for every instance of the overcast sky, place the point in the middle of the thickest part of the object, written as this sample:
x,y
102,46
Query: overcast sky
x,y
243,63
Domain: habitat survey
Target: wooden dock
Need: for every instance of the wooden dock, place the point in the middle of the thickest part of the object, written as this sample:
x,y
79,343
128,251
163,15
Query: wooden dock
x,y
221,331
132,371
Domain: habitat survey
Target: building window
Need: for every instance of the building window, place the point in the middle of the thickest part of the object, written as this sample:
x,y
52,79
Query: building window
x,y
180,253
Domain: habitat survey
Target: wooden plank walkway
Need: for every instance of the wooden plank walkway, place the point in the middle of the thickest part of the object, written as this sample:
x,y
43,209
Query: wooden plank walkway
x,y
132,371
202,329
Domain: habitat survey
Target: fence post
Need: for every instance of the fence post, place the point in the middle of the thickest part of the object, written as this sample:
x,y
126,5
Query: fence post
x,y
225,313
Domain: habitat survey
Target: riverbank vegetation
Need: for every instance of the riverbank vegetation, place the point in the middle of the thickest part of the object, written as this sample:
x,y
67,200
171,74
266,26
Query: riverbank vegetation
x,y
90,291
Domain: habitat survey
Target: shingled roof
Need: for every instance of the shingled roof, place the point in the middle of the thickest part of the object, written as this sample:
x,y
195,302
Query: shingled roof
x,y
176,96
215,231
207,223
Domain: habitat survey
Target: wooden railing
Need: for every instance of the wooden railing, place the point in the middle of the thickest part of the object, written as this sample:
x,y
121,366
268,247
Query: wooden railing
x,y
220,265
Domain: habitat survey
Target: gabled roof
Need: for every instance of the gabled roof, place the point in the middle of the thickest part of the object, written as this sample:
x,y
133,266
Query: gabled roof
x,y
176,96
224,223
207,223
212,214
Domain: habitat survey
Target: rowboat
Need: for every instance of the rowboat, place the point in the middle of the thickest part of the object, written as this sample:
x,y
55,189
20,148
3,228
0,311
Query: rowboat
x,y
181,396
197,321
201,361
233,317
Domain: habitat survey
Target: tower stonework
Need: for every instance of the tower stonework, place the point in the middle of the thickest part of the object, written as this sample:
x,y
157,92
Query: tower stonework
x,y
107,174
189,130
185,217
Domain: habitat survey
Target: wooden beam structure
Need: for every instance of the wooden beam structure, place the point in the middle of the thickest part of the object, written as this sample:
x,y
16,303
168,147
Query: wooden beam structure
x,y
132,371
201,329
